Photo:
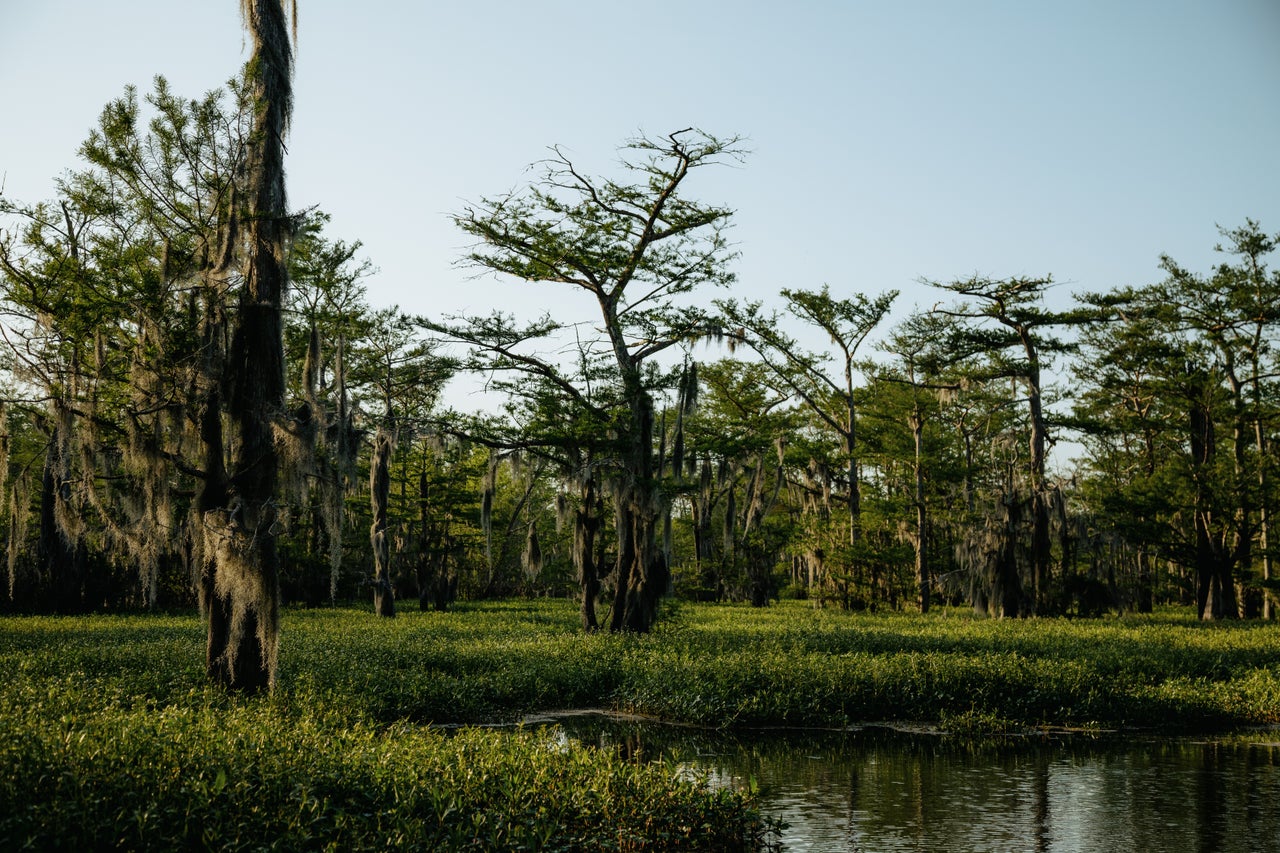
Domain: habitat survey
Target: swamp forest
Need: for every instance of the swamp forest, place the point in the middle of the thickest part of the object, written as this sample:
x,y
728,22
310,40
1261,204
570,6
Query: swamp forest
x,y
1019,507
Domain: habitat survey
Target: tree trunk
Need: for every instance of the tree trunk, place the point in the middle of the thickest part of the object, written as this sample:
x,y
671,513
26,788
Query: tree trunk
x,y
384,603
855,490
642,571
1041,553
642,576
1264,506
429,546
238,653
703,548
1009,591
1215,589
240,529
1241,551
586,527
1201,444
922,514
61,559
334,483
1146,596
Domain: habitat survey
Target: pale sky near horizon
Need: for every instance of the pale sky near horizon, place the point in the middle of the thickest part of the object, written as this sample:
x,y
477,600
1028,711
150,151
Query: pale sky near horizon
x,y
891,141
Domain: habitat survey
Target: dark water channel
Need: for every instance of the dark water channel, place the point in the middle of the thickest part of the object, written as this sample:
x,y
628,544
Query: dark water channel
x,y
875,789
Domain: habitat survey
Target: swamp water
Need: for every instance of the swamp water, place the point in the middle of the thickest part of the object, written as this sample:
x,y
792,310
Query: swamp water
x,y
876,789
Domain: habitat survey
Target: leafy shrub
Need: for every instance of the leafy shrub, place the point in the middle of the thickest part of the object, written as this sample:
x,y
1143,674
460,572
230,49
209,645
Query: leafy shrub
x,y
211,772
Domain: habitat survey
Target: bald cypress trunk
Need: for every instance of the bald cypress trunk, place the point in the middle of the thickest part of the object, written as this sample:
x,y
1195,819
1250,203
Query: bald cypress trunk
x,y
241,522
1208,604
642,569
1041,553
384,602
587,520
702,536
1008,591
923,580
60,559
212,497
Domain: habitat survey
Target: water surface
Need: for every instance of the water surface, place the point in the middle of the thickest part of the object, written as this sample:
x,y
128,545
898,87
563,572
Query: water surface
x,y
877,789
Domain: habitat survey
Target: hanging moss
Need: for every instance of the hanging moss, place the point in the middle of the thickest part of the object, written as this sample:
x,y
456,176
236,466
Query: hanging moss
x,y
19,516
531,557
379,495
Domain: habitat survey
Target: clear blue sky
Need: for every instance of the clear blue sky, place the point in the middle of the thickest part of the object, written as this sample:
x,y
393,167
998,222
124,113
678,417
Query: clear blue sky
x,y
891,140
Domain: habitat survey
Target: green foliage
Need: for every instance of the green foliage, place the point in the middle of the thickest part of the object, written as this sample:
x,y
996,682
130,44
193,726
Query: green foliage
x,y
110,737
121,299
202,774
711,664
1178,405
116,742
636,250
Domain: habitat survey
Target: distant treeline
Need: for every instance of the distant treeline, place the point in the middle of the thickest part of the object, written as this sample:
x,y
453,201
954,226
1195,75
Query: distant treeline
x,y
819,454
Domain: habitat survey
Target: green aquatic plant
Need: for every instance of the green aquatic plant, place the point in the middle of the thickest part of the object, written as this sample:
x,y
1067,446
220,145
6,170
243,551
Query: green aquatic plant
x,y
109,729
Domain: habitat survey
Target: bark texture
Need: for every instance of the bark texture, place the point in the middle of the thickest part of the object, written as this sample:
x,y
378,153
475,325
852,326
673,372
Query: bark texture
x,y
240,516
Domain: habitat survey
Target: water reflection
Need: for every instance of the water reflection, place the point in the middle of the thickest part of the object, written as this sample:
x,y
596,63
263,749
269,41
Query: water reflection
x,y
881,790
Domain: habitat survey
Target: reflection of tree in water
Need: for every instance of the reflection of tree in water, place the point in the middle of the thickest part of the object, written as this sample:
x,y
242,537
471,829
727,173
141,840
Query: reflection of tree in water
x,y
887,790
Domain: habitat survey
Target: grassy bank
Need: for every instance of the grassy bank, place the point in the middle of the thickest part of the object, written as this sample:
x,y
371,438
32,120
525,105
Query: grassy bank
x,y
109,738
711,665
793,665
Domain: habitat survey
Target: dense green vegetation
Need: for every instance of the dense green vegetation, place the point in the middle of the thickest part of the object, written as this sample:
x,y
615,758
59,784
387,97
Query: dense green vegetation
x,y
200,774
109,734
900,465
198,406
832,448
109,738
715,665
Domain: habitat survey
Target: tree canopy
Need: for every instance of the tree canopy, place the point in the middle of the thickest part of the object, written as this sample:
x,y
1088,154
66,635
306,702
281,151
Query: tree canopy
x,y
200,404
